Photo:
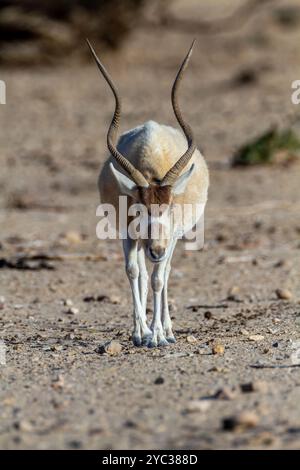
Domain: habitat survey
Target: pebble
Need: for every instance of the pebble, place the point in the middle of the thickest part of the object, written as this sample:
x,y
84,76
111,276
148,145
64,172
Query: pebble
x,y
68,302
207,315
225,393
197,406
73,237
256,337
281,264
115,299
69,336
191,339
244,332
2,302
233,293
75,444
283,294
72,311
218,349
110,347
23,425
159,381
255,386
242,421
220,370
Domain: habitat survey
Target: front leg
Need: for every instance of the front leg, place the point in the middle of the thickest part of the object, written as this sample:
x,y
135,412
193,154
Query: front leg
x,y
157,283
140,329
143,279
166,320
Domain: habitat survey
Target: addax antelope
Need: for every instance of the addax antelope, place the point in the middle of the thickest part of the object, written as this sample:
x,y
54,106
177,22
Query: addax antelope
x,y
153,165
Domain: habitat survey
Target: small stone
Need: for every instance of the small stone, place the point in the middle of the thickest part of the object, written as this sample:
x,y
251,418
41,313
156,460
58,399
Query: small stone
x,y
23,425
280,264
216,369
159,381
221,237
284,294
242,421
75,444
225,393
255,386
72,311
256,337
89,298
110,347
73,237
233,293
197,406
207,315
244,332
69,336
191,339
114,299
130,424
68,302
218,349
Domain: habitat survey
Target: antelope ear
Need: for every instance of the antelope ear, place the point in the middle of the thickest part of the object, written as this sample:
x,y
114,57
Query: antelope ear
x,y
126,185
182,181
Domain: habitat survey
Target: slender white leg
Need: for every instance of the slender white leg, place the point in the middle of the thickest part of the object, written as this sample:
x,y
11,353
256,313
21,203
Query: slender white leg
x,y
143,279
143,289
132,269
157,282
166,320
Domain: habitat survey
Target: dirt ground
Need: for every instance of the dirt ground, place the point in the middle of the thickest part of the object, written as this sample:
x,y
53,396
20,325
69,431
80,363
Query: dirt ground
x,y
56,391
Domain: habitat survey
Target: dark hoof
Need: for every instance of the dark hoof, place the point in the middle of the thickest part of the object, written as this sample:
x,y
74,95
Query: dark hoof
x,y
171,339
146,340
163,343
137,341
152,344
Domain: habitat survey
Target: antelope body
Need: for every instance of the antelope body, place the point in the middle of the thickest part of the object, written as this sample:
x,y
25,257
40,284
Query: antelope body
x,y
156,166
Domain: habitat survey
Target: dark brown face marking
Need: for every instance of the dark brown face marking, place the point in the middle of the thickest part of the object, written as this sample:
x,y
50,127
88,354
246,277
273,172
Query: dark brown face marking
x,y
155,194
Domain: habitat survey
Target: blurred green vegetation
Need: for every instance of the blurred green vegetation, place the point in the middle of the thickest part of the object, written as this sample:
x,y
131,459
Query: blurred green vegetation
x,y
273,146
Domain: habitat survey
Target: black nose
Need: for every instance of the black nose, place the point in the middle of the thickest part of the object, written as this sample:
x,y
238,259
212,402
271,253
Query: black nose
x,y
157,253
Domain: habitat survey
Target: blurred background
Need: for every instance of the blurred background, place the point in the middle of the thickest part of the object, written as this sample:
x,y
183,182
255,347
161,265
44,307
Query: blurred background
x,y
237,97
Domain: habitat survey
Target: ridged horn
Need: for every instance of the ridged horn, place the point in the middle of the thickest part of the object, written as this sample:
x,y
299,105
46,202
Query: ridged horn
x,y
112,133
174,172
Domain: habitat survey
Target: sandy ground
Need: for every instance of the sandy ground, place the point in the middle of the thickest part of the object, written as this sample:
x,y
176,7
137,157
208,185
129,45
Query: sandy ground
x,y
56,391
